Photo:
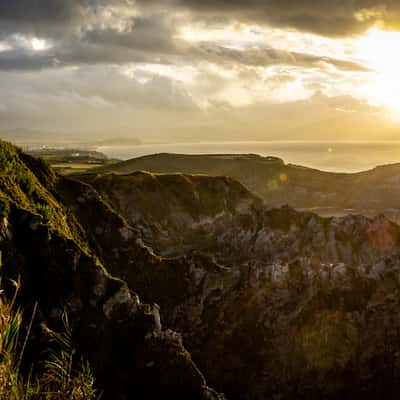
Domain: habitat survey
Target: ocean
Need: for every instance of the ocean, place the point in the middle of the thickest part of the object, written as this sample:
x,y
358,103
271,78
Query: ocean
x,y
327,156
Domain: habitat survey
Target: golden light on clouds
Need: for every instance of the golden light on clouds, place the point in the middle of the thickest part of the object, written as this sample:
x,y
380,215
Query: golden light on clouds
x,y
379,50
235,36
308,72
375,52
243,36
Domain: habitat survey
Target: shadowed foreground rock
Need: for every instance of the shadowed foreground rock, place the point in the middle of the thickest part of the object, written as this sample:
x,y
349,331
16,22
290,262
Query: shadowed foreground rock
x,y
132,356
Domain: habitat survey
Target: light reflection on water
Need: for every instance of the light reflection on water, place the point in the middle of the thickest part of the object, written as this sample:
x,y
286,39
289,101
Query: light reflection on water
x,y
328,156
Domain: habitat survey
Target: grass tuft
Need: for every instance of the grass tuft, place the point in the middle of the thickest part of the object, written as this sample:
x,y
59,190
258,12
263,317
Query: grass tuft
x,y
59,380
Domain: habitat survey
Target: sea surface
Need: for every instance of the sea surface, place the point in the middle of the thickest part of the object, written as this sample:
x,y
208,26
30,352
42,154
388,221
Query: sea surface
x,y
327,156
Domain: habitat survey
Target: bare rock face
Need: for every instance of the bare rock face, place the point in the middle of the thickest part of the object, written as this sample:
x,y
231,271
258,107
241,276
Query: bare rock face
x,y
121,306
272,303
178,213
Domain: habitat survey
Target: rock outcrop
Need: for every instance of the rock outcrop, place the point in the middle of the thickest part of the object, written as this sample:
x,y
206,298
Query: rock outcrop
x,y
270,303
279,304
42,242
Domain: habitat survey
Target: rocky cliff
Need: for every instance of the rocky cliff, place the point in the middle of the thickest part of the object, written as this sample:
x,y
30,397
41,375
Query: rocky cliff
x,y
270,303
42,241
368,193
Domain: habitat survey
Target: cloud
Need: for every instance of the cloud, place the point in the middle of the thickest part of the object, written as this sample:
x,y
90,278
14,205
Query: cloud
x,y
49,18
122,50
123,31
262,57
99,102
41,11
53,12
57,19
102,66
83,32
324,17
85,103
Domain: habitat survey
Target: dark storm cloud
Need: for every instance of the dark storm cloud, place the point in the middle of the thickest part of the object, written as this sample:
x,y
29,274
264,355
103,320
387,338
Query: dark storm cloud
x,y
50,18
149,41
325,17
150,38
40,10
52,11
40,17
81,34
148,33
85,34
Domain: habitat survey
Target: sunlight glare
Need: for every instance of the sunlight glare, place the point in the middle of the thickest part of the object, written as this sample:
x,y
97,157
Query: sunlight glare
x,y
379,50
39,44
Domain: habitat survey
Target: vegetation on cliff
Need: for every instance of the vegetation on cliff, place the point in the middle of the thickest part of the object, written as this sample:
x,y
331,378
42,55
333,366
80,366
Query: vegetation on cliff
x,y
42,241
58,376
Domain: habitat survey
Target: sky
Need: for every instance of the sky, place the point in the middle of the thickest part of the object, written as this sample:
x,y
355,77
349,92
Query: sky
x,y
199,70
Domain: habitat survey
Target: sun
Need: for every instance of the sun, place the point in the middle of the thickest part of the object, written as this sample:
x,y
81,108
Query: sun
x,y
379,51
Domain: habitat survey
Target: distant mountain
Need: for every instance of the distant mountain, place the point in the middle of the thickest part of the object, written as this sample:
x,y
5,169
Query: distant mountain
x,y
370,192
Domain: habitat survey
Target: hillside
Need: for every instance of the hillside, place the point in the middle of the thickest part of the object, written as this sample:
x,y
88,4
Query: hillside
x,y
179,213
43,242
257,287
269,302
369,193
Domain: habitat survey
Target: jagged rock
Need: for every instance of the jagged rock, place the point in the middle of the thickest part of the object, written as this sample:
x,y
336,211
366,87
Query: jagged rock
x,y
252,311
5,231
271,303
121,306
43,244
157,318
